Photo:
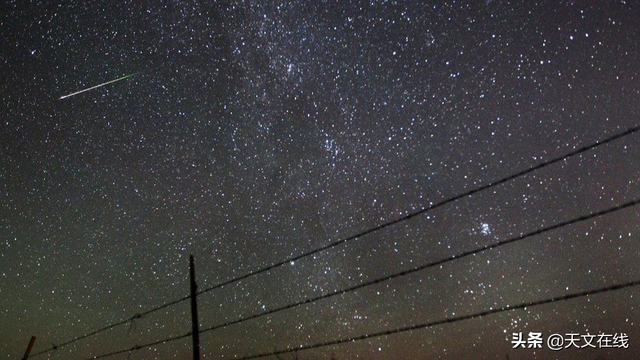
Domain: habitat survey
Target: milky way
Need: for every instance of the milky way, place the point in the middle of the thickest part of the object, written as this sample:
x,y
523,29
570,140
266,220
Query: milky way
x,y
256,131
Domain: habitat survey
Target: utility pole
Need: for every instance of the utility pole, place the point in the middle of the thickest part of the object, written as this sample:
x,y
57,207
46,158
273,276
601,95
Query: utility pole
x,y
195,334
26,353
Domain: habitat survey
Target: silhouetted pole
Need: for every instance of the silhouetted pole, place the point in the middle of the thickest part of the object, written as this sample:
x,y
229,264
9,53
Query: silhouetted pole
x,y
194,311
26,353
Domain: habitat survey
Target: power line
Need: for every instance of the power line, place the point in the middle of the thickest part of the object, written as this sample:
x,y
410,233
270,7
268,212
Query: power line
x,y
424,210
446,321
399,274
111,326
360,234
138,347
428,265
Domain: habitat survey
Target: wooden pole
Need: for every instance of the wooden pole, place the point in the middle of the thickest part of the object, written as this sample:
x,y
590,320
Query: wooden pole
x,y
195,335
26,353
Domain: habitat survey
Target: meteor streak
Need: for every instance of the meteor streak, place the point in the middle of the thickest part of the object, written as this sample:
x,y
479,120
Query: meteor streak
x,y
97,86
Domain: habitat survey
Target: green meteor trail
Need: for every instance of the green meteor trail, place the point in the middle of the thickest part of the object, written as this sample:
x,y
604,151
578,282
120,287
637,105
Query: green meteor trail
x,y
97,86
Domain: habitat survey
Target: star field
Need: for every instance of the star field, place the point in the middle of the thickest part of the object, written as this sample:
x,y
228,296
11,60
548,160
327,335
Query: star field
x,y
256,131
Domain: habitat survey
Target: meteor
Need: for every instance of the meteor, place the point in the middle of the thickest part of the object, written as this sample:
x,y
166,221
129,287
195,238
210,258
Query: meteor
x,y
97,86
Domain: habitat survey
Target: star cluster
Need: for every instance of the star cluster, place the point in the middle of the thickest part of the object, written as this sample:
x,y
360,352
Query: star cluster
x,y
255,131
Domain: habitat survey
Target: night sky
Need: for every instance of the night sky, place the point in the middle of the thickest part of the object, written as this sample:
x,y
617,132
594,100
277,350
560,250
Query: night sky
x,y
255,131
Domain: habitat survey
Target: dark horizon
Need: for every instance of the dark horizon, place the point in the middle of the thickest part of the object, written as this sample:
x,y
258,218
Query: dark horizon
x,y
246,133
